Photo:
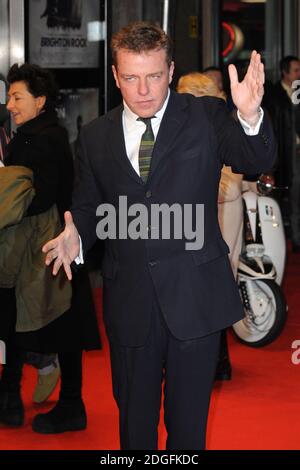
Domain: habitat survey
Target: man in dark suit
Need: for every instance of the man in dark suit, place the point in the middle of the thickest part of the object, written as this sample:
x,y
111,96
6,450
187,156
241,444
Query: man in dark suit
x,y
165,299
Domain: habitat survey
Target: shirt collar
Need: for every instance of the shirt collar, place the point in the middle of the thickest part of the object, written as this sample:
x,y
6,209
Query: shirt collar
x,y
131,116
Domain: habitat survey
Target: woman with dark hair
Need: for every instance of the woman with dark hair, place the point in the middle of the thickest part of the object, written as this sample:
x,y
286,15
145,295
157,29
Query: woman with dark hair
x,y
40,146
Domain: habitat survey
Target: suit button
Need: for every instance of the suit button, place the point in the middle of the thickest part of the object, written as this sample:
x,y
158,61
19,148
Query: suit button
x,y
148,194
152,264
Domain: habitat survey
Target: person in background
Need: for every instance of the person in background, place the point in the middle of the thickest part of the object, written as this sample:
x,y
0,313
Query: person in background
x,y
164,305
230,206
46,364
215,73
285,115
39,313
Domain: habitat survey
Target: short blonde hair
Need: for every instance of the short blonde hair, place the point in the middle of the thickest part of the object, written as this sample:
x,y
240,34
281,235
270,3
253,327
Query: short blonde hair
x,y
198,84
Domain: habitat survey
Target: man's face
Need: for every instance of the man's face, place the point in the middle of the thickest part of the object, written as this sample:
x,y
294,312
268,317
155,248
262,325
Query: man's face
x,y
143,80
294,72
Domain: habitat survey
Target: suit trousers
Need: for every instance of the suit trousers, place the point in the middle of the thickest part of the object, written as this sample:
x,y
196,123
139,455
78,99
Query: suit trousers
x,y
185,368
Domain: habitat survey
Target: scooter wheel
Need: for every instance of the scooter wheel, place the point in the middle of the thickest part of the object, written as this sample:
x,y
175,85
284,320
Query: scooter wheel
x,y
265,313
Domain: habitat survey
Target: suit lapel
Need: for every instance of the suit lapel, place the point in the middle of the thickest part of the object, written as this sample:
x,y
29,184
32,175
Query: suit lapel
x,y
173,120
117,144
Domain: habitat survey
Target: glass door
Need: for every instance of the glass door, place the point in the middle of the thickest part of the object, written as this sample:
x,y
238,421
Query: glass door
x,y
248,25
11,46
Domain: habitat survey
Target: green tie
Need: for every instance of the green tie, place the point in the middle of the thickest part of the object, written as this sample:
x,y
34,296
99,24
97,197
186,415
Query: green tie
x,y
146,149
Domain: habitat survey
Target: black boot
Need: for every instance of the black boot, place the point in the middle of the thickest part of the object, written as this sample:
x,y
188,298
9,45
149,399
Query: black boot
x,y
69,412
12,409
11,405
65,416
223,371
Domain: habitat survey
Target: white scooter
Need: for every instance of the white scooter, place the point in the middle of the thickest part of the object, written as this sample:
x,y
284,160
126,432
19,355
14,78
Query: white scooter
x,y
261,267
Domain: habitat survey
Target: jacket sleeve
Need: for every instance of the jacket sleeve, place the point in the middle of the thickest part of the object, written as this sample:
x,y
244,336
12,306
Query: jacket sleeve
x,y
16,194
245,154
86,195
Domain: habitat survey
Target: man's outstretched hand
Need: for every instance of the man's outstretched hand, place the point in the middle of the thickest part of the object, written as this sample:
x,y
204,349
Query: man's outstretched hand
x,y
64,248
247,95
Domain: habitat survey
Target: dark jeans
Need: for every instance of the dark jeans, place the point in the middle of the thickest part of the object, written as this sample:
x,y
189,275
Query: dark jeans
x,y
39,360
70,362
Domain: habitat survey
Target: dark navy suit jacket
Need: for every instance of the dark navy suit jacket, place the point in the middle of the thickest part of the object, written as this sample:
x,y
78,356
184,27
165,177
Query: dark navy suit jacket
x,y
195,289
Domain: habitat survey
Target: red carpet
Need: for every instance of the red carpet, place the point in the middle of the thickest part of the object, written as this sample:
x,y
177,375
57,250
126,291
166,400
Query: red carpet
x,y
258,409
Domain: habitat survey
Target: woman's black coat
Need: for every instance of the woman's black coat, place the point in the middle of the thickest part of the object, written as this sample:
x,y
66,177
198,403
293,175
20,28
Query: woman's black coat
x,y
41,144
